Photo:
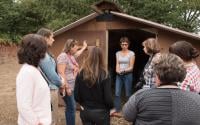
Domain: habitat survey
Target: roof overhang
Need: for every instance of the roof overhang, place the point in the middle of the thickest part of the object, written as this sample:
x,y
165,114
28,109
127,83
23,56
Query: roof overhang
x,y
157,25
123,15
76,23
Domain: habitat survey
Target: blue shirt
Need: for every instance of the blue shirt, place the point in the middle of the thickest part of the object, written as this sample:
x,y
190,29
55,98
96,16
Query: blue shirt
x,y
48,67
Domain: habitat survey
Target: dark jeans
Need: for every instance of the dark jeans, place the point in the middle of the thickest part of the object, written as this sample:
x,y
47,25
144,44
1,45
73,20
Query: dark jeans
x,y
95,117
70,109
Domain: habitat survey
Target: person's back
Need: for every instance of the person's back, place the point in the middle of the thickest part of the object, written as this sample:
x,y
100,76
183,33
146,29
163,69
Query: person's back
x,y
97,96
167,106
93,90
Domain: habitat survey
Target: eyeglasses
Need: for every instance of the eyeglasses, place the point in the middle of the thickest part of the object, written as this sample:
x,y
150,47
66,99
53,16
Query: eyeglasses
x,y
124,44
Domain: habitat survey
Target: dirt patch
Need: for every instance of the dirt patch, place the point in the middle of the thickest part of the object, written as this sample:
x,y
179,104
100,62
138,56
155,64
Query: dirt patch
x,y
8,110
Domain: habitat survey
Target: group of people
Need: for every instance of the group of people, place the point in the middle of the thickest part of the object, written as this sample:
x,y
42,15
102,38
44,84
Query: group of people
x,y
167,76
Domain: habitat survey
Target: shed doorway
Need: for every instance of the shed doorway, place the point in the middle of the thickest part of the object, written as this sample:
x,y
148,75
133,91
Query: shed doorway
x,y
136,37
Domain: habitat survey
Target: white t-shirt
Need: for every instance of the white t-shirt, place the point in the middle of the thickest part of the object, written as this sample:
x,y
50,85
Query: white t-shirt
x,y
124,61
33,97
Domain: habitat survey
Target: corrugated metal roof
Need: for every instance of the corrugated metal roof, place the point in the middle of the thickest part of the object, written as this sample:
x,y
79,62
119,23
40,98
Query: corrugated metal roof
x,y
136,19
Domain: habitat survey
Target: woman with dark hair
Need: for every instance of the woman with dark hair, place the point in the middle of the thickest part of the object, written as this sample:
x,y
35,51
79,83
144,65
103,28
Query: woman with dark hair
x,y
68,69
188,53
166,104
33,108
93,90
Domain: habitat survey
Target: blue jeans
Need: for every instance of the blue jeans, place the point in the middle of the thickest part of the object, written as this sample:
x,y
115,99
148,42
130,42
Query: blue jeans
x,y
121,80
70,109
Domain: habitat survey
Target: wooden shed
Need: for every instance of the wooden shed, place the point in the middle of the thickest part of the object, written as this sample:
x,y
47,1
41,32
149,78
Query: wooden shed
x,y
108,24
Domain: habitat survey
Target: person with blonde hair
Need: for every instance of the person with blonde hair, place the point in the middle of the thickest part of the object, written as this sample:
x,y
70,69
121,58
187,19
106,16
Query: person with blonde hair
x,y
166,104
93,90
147,77
68,68
188,53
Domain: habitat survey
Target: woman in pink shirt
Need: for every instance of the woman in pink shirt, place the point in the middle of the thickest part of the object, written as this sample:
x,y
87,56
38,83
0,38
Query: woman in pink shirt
x,y
188,53
68,69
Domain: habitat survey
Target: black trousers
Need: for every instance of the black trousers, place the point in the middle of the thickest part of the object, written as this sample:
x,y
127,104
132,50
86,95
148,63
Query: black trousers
x,y
95,116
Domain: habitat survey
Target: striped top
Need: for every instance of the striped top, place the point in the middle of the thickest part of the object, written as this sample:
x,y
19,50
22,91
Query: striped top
x,y
162,106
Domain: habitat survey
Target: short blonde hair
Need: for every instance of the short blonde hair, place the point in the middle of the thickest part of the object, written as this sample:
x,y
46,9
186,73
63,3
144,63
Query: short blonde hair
x,y
152,45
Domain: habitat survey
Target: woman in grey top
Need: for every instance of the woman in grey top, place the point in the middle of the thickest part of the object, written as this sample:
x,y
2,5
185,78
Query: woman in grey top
x,y
124,66
166,104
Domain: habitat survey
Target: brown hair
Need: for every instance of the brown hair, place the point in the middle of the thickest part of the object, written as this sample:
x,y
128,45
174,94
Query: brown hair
x,y
170,69
44,32
124,39
94,68
32,48
185,50
70,43
152,45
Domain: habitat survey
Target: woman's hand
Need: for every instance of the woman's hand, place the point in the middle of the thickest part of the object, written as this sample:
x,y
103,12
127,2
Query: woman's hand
x,y
84,44
68,90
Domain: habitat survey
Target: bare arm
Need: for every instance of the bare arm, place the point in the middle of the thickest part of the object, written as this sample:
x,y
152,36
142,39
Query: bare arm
x,y
117,65
78,53
131,64
61,70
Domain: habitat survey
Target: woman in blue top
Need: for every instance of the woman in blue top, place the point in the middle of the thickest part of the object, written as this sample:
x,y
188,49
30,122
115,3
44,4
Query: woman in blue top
x,y
125,59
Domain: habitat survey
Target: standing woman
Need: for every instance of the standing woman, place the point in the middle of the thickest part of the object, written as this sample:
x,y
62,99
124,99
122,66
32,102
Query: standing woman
x,y
151,48
188,53
68,69
93,90
32,91
125,59
48,67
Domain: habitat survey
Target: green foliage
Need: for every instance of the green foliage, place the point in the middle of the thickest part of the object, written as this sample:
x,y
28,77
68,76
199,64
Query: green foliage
x,y
19,17
182,14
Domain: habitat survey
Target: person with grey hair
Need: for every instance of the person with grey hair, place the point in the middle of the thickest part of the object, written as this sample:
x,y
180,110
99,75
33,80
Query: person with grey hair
x,y
166,104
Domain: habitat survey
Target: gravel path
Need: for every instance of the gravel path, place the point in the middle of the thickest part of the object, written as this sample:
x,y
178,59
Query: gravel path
x,y
8,110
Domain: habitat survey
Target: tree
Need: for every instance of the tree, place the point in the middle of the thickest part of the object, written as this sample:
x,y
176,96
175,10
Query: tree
x,y
19,17
182,14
